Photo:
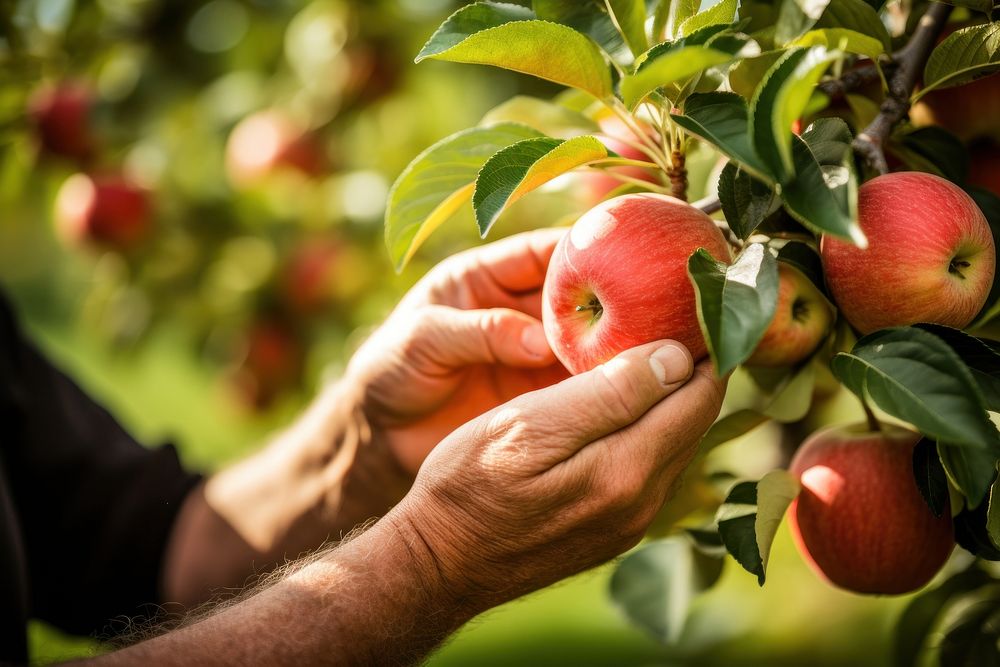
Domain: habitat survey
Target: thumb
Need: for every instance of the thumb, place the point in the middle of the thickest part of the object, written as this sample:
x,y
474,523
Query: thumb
x,y
613,395
453,337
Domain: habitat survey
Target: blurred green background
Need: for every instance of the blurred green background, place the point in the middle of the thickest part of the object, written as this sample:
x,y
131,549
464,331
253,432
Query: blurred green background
x,y
246,292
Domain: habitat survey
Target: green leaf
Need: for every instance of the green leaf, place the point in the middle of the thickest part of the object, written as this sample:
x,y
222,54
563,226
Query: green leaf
x,y
730,427
929,473
655,584
670,14
984,6
970,630
749,518
520,168
823,194
963,56
850,41
780,101
721,120
507,36
735,302
746,76
971,534
437,182
857,16
932,149
795,17
722,12
746,201
919,616
672,63
980,356
630,17
915,376
589,17
549,118
993,514
971,470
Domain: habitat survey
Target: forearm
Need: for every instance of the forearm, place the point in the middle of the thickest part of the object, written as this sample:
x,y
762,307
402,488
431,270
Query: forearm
x,y
376,600
317,481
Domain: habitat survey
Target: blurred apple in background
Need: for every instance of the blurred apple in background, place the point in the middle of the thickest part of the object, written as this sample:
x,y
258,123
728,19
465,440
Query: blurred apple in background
x,y
619,138
970,111
984,165
271,363
60,114
267,142
105,210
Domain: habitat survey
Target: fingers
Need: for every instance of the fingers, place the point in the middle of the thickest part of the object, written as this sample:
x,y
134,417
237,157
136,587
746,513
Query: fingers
x,y
453,338
515,264
610,397
667,436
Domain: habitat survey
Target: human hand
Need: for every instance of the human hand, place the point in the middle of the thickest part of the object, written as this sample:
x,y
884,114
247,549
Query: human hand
x,y
560,479
465,339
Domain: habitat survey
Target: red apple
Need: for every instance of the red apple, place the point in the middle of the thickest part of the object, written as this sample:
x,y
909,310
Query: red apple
x,y
271,364
619,279
614,134
970,111
930,255
269,141
860,520
61,116
309,279
104,210
802,319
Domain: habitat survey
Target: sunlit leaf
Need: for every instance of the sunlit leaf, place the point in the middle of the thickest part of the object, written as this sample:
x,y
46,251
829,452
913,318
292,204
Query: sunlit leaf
x,y
669,16
843,39
723,12
780,101
549,118
721,119
963,56
508,36
589,17
438,182
520,168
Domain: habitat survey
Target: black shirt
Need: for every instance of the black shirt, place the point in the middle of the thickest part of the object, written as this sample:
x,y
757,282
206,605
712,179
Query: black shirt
x,y
85,511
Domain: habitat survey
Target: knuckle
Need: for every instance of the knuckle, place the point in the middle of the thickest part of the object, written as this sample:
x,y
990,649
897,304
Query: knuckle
x,y
617,396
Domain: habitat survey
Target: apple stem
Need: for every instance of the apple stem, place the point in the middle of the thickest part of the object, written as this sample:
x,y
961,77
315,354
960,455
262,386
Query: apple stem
x,y
874,425
908,64
678,176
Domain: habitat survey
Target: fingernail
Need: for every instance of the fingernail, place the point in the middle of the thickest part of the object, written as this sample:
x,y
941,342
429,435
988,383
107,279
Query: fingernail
x,y
533,340
671,364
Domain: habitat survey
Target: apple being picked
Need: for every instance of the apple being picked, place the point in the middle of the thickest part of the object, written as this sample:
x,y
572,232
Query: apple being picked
x,y
105,211
930,255
802,319
860,520
619,279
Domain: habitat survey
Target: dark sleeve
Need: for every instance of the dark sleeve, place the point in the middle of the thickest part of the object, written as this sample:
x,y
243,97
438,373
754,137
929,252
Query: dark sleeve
x,y
95,506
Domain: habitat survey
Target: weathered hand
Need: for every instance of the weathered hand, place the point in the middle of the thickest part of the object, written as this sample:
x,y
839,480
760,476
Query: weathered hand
x,y
559,479
465,339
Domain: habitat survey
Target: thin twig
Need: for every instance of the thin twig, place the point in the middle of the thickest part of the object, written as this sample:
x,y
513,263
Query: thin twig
x,y
708,205
909,61
852,79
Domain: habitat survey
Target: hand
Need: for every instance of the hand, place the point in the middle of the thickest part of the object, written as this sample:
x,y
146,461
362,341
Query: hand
x,y
560,479
465,339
